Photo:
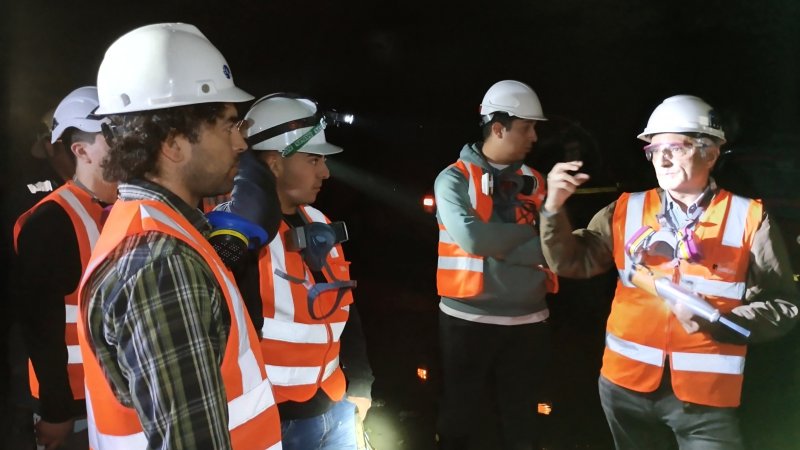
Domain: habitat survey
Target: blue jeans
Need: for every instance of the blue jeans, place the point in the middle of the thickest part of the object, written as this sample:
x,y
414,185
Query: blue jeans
x,y
334,430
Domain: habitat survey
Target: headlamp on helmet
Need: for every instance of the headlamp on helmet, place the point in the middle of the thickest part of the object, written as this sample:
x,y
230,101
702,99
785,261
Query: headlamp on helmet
x,y
292,123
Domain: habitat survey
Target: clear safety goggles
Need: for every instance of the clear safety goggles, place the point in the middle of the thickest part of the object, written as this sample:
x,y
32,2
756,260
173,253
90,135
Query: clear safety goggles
x,y
674,149
669,150
241,125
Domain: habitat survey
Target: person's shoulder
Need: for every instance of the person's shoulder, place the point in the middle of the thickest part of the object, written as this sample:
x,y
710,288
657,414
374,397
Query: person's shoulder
x,y
45,216
740,196
453,171
448,179
152,248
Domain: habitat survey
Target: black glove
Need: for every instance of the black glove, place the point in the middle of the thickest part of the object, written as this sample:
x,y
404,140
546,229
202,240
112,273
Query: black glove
x,y
254,195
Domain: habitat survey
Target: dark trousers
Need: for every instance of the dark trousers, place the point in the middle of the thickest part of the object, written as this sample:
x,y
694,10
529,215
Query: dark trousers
x,y
655,420
508,361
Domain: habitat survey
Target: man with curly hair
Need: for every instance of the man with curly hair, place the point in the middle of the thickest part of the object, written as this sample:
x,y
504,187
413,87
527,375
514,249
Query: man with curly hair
x,y
171,358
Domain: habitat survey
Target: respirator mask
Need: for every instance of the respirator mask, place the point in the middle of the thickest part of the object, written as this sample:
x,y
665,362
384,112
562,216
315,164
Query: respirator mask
x,y
232,236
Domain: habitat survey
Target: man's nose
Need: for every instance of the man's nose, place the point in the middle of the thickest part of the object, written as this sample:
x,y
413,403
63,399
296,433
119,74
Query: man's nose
x,y
239,144
324,172
661,159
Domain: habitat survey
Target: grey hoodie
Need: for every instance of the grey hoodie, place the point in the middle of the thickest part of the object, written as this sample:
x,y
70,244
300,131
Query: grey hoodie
x,y
513,286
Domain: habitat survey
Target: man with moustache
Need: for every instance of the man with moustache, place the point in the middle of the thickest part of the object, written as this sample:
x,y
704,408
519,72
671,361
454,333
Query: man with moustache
x,y
667,371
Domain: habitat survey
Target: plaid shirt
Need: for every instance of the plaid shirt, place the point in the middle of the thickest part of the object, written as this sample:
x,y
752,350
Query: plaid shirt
x,y
159,325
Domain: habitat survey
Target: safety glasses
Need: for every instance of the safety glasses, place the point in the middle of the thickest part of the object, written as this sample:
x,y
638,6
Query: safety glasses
x,y
669,149
240,125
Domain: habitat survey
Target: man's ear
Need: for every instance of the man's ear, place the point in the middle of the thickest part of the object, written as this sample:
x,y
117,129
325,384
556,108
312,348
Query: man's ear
x,y
79,150
497,129
273,161
712,155
175,147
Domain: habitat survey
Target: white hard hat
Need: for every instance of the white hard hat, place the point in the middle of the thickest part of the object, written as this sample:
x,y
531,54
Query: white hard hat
x,y
77,110
283,121
683,114
512,97
161,66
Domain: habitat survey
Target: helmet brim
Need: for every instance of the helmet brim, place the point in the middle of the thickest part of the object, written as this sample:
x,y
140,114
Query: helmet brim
x,y
87,125
647,135
323,149
230,95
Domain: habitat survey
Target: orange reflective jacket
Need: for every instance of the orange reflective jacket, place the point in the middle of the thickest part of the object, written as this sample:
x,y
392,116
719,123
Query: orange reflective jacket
x,y
85,214
460,274
252,415
642,332
301,353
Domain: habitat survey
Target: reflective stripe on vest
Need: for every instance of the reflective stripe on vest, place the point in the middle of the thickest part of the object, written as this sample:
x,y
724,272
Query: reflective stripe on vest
x,y
735,223
282,288
733,290
71,312
293,376
633,222
73,351
301,354
704,362
471,263
642,353
445,238
90,225
700,285
74,354
468,263
301,333
252,415
690,362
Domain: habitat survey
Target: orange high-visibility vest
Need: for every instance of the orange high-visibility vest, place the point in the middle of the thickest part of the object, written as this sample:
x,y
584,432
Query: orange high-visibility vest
x,y
301,353
85,214
459,274
252,415
642,332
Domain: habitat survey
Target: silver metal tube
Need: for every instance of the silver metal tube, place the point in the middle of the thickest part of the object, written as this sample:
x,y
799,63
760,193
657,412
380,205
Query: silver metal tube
x,y
673,293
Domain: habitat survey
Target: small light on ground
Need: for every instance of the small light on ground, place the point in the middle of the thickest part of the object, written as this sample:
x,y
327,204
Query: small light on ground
x,y
544,408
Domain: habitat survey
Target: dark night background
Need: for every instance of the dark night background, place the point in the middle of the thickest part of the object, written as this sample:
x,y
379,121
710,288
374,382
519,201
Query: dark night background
x,y
413,73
